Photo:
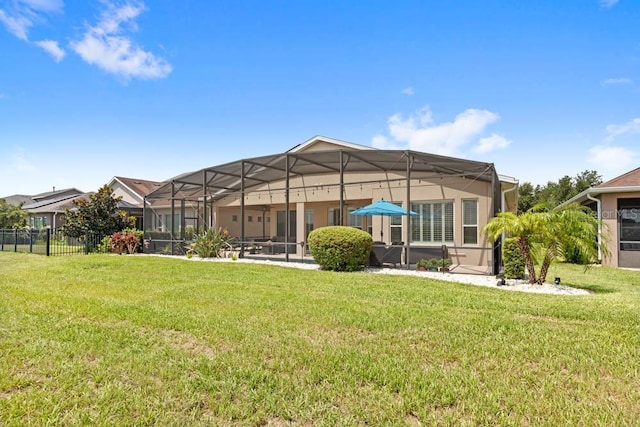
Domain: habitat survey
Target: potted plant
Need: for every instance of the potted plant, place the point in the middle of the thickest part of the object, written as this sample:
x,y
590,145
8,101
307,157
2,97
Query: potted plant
x,y
433,264
444,264
427,264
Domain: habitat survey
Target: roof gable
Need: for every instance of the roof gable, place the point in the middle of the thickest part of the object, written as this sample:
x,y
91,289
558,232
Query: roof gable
x,y
323,143
629,179
141,187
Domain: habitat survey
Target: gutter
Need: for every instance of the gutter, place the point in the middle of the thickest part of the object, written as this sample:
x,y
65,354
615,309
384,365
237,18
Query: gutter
x,y
601,190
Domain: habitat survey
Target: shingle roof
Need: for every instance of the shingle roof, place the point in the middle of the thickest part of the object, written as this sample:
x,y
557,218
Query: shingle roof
x,y
141,186
629,179
17,199
56,193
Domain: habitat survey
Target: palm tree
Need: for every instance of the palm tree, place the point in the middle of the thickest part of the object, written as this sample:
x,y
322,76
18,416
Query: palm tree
x,y
543,235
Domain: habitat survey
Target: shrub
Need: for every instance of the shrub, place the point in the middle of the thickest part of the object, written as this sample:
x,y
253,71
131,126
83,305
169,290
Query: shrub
x,y
211,243
512,259
124,242
340,248
434,263
104,247
574,255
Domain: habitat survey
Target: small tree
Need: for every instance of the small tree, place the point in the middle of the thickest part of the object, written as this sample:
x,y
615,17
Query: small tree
x,y
12,216
99,214
543,235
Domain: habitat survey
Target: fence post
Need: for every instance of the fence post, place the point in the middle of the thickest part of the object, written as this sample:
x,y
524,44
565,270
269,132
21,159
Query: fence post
x,y
48,242
31,240
2,231
15,240
86,242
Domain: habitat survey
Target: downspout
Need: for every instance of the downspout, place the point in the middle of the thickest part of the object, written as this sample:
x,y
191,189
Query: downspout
x,y
599,208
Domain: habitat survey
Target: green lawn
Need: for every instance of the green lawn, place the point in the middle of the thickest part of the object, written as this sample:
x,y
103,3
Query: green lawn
x,y
124,340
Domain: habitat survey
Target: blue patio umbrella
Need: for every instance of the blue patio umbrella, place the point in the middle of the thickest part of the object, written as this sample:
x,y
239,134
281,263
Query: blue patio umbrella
x,y
383,208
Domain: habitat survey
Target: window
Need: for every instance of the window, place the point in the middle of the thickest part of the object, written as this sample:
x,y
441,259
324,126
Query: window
x,y
334,216
309,220
396,226
629,223
355,221
172,226
281,223
434,223
234,218
470,222
259,219
250,218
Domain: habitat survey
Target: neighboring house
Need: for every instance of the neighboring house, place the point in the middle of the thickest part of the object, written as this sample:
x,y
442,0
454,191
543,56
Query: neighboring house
x,y
132,192
319,182
18,199
47,210
617,203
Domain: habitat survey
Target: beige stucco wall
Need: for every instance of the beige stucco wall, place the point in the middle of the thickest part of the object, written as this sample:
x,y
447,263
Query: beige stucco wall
x,y
609,206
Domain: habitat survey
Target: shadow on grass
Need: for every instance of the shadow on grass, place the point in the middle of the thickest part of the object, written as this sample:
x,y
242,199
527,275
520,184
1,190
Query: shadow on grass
x,y
596,289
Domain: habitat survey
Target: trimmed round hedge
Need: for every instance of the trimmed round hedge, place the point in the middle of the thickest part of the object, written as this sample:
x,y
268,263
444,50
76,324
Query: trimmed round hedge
x,y
340,248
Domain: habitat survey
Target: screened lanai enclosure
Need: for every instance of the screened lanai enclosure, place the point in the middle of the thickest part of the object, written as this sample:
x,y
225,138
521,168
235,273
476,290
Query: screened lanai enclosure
x,y
270,204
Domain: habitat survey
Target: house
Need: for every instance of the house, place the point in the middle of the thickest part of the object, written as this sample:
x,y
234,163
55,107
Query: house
x,y
283,197
131,192
47,210
617,204
18,199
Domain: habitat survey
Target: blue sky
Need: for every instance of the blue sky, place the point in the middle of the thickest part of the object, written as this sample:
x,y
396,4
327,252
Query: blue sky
x,y
95,89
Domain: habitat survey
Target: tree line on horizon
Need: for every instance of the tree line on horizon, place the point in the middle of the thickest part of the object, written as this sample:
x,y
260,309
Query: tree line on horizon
x,y
554,193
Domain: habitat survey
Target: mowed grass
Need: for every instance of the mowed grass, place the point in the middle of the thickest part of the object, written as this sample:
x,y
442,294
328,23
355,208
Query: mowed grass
x,y
132,340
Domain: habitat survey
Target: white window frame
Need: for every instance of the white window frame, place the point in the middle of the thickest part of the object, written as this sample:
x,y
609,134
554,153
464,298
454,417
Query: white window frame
x,y
468,226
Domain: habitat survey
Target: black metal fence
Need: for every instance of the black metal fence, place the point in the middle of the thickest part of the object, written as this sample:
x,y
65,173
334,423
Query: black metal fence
x,y
47,242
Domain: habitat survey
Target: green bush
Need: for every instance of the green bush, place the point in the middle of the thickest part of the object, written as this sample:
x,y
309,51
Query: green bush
x,y
573,255
512,260
211,243
104,247
340,248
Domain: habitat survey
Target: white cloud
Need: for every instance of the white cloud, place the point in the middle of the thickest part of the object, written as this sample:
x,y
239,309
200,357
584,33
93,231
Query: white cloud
x,y
418,131
617,81
608,3
17,25
491,143
612,159
52,48
44,5
21,15
628,128
408,91
105,46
